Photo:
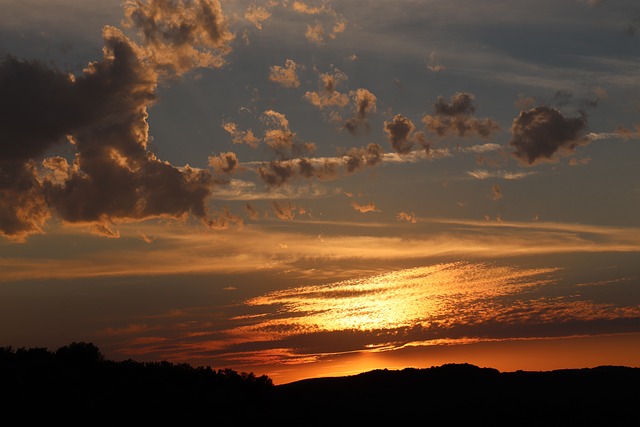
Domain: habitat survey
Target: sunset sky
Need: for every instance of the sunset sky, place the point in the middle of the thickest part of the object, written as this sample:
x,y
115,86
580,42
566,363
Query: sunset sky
x,y
304,188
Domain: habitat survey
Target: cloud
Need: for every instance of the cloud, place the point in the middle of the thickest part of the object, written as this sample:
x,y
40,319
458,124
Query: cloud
x,y
484,174
253,214
407,217
365,103
369,207
315,33
257,15
433,64
286,76
399,130
281,139
180,35
496,192
102,115
543,133
358,157
241,137
455,118
285,212
225,220
225,162
328,96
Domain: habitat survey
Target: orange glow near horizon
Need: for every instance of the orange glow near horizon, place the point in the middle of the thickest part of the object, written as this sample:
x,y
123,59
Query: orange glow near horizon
x,y
538,354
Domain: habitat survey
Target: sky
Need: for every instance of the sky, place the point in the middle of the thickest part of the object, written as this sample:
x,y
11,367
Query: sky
x,y
303,188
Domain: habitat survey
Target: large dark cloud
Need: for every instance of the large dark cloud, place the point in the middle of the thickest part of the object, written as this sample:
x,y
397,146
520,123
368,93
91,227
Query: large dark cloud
x,y
103,112
543,133
456,118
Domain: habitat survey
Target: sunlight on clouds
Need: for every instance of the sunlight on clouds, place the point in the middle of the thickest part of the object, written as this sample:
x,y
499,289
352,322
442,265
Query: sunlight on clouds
x,y
405,298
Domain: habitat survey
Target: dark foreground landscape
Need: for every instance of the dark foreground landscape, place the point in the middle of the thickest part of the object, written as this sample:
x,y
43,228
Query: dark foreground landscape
x,y
78,386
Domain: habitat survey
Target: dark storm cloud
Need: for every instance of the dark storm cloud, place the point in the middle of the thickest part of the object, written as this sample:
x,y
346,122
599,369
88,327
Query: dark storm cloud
x,y
103,113
399,130
456,118
543,132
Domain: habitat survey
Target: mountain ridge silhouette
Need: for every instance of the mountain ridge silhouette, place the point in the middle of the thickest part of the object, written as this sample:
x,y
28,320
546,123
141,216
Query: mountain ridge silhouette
x,y
79,385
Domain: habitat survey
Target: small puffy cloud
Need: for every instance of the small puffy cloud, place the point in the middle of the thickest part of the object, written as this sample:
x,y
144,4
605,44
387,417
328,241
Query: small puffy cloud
x,y
286,76
433,64
224,220
285,212
241,137
304,8
456,118
409,217
496,192
277,173
180,35
364,104
543,133
400,130
281,139
369,207
252,212
315,33
358,157
328,96
257,15
224,162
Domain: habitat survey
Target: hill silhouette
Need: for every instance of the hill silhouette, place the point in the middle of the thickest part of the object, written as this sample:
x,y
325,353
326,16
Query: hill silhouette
x,y
77,385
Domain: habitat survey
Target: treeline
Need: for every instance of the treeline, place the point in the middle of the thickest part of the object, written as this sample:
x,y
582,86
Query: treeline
x,y
78,386
76,381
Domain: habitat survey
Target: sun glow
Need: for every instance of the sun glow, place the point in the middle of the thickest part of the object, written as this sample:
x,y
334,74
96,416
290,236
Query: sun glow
x,y
424,296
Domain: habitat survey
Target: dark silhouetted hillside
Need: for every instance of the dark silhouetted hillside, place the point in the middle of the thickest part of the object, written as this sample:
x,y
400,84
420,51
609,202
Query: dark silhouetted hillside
x,y
76,385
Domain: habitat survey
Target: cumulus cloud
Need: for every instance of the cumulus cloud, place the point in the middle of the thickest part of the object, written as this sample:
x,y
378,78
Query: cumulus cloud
x,y
239,136
102,115
180,35
544,133
285,212
328,96
409,217
369,207
364,104
358,157
400,130
456,118
224,162
286,76
315,33
257,15
281,139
